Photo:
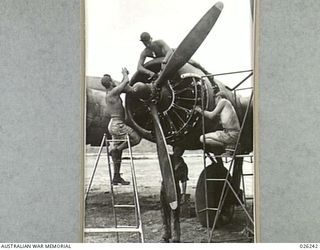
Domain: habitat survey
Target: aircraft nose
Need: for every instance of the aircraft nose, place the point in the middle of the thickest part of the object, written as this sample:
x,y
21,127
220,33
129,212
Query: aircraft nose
x,y
219,5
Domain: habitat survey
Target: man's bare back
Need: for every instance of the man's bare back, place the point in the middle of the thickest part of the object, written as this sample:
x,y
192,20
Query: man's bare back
x,y
228,116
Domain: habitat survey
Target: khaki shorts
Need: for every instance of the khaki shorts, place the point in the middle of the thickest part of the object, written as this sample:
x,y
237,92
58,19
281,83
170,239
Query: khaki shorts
x,y
227,138
118,130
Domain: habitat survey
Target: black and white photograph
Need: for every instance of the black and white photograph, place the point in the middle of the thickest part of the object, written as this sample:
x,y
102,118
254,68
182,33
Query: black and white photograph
x,y
157,121
169,121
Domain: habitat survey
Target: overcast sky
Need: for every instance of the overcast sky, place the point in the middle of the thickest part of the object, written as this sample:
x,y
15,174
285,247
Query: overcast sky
x,y
113,28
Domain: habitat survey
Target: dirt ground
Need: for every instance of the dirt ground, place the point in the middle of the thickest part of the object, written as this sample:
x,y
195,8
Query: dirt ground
x,y
99,210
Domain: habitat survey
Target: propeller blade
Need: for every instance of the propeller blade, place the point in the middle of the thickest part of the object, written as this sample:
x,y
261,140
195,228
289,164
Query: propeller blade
x,y
191,43
164,160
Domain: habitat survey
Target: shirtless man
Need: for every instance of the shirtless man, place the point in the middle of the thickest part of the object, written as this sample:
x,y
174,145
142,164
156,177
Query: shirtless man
x,y
155,49
227,137
117,127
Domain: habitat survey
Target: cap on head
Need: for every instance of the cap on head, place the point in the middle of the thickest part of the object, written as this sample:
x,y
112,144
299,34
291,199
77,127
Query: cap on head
x,y
145,36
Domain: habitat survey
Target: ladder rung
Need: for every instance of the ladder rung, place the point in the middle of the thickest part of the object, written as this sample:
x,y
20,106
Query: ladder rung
x,y
214,179
117,140
113,230
230,156
125,158
122,163
124,226
124,206
247,174
209,208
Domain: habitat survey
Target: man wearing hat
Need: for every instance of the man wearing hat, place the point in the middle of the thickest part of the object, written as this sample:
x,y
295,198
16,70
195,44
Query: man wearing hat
x,y
153,49
159,48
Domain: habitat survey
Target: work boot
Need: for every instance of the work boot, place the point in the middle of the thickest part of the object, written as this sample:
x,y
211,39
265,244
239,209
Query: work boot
x,y
176,233
166,234
118,180
176,228
164,240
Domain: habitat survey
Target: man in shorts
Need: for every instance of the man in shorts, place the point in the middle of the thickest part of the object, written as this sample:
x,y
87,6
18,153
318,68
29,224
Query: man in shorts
x,y
117,127
227,137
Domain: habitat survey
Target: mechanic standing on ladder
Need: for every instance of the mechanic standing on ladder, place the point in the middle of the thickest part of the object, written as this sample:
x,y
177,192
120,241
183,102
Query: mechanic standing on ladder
x,y
117,127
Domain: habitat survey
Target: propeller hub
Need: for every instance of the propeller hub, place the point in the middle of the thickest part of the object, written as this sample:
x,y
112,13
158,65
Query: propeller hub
x,y
142,90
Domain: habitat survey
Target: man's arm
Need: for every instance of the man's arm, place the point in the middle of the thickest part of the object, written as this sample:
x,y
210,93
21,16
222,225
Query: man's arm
x,y
141,68
125,80
212,114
